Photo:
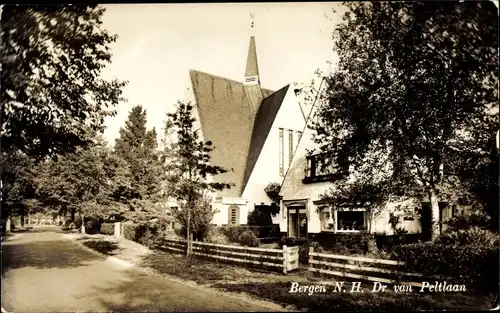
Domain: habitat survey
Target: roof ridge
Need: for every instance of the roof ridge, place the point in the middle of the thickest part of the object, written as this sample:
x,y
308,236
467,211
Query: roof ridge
x,y
217,76
286,86
230,80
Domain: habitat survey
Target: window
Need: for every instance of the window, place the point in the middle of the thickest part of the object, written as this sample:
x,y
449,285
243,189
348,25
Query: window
x,y
282,148
290,146
234,215
327,222
299,135
350,221
319,169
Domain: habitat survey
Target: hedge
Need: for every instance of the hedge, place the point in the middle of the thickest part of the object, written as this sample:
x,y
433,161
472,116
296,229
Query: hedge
x,y
148,234
107,229
359,243
92,225
129,231
233,233
472,265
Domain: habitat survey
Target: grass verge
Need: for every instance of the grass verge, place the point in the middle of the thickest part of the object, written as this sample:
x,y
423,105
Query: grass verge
x,y
276,287
101,246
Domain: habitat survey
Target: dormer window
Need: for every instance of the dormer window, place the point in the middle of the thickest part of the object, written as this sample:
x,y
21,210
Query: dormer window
x,y
320,168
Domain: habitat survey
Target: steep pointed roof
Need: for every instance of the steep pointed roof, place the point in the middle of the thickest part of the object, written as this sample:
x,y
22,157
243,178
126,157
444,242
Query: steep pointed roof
x,y
252,68
227,119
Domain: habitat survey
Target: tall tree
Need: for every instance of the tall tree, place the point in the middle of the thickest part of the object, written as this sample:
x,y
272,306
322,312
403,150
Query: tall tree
x,y
52,57
138,147
413,80
191,172
17,190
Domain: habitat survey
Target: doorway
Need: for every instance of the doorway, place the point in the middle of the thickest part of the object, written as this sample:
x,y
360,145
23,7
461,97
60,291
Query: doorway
x,y
297,222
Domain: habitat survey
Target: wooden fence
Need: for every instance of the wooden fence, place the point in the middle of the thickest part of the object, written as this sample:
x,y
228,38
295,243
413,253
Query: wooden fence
x,y
368,269
286,259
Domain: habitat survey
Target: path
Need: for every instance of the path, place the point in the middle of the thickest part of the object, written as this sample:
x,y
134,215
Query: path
x,y
42,272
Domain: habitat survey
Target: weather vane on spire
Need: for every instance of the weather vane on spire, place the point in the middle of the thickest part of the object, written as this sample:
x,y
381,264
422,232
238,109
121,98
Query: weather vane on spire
x,y
251,18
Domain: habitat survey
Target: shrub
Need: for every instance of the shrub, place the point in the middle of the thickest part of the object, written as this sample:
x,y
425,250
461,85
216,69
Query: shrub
x,y
472,265
233,232
152,238
248,238
476,219
148,234
359,243
78,223
268,231
107,229
260,216
101,246
384,241
217,236
92,225
152,234
469,236
129,231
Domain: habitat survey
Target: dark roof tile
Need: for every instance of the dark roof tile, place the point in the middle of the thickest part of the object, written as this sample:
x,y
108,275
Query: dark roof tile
x,y
263,123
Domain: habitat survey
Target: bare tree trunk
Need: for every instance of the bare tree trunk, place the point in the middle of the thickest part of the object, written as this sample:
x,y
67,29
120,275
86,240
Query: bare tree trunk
x,y
435,229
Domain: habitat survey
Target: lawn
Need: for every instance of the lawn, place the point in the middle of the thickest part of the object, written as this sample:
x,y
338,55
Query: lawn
x,y
275,287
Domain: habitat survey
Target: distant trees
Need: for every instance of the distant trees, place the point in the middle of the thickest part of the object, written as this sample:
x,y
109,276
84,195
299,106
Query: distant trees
x,y
18,191
85,181
97,181
416,86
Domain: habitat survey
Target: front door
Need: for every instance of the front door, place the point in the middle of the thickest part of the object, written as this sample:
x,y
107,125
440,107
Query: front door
x,y
426,221
297,222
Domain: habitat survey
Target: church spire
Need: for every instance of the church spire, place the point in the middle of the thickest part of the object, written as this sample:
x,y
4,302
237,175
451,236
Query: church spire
x,y
252,68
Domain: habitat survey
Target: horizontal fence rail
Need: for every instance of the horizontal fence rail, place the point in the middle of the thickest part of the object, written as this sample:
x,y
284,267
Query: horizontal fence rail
x,y
285,259
368,269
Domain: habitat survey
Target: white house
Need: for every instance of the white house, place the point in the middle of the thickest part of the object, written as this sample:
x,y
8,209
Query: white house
x,y
254,131
304,214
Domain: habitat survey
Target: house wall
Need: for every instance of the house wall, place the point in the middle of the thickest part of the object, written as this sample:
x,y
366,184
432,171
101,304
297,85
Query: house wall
x,y
266,170
294,189
221,216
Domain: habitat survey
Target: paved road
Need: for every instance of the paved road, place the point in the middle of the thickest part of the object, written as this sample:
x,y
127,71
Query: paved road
x,y
42,272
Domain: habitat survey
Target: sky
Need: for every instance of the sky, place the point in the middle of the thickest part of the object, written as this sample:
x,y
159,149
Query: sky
x,y
159,43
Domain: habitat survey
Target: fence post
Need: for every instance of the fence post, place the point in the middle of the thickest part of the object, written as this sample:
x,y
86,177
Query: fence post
x,y
398,271
285,259
190,244
311,265
118,228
